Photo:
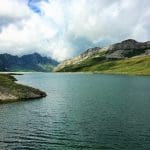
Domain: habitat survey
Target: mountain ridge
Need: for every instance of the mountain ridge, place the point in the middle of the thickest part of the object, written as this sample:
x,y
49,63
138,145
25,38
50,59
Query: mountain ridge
x,y
29,62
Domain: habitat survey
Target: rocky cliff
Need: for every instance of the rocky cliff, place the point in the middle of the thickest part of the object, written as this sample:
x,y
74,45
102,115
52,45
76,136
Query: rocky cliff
x,y
127,49
130,44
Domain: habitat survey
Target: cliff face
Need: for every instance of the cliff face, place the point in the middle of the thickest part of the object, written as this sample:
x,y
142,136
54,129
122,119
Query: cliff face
x,y
127,49
130,44
94,56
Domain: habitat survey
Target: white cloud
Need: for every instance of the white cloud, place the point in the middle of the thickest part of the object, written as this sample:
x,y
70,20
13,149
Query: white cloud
x,y
64,27
12,11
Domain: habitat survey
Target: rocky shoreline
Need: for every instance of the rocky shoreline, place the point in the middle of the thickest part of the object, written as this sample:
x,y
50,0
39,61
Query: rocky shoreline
x,y
11,91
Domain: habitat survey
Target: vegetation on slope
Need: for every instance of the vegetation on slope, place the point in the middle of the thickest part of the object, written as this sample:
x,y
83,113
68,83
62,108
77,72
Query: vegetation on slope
x,y
126,57
139,65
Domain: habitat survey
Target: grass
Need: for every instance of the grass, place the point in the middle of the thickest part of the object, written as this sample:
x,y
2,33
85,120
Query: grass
x,y
8,86
134,66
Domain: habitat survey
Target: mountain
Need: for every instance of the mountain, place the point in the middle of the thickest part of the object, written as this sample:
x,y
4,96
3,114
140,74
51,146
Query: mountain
x,y
127,57
31,62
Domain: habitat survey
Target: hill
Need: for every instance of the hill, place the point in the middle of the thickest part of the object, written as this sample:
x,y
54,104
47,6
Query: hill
x,y
30,62
127,57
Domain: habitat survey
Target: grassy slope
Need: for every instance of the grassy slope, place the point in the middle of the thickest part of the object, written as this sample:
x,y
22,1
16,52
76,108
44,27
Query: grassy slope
x,y
134,65
9,86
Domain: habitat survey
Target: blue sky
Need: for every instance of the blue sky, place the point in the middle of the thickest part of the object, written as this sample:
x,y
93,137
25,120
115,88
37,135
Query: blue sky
x,y
33,4
64,28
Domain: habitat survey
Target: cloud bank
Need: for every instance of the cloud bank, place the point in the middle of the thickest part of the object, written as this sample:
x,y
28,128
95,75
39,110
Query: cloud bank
x,y
64,28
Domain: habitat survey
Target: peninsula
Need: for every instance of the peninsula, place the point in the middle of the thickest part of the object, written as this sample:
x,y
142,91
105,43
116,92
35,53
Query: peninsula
x,y
11,91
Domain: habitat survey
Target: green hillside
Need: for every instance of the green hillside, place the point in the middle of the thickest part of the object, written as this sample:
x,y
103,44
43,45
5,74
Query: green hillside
x,y
126,57
139,65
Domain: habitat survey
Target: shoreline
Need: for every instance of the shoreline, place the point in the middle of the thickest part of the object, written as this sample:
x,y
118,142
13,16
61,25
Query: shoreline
x,y
104,73
10,91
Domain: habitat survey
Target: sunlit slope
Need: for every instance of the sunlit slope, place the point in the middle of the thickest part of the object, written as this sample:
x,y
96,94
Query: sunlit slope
x,y
127,57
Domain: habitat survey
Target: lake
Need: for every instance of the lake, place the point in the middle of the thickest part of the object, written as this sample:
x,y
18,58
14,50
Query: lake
x,y
81,112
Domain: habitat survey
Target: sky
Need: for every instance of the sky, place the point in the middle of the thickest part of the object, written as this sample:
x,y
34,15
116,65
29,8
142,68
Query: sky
x,y
62,29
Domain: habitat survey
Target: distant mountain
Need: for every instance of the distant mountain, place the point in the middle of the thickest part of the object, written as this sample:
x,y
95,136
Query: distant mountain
x,y
127,57
31,62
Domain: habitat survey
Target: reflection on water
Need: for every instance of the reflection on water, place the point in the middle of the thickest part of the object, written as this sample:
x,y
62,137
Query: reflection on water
x,y
81,111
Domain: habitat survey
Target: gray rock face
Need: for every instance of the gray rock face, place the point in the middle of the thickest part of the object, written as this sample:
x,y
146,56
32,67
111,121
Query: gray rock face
x,y
116,55
87,54
130,44
127,48
147,52
91,51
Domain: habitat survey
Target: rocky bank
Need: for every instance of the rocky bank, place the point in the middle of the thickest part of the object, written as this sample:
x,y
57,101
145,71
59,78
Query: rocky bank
x,y
11,91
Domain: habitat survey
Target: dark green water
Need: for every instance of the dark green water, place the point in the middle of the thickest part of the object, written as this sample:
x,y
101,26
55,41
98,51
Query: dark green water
x,y
81,112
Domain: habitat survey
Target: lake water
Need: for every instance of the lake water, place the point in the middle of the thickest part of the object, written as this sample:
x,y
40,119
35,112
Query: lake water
x,y
81,112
